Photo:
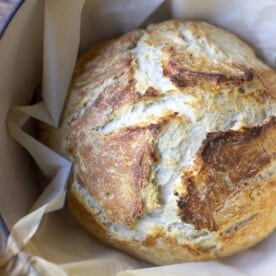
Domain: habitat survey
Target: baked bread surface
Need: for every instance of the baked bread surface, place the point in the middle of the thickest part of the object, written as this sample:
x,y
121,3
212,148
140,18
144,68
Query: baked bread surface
x,y
171,131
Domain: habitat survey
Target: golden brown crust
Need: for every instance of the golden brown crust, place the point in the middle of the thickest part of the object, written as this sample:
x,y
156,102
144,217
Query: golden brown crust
x,y
103,50
173,152
119,92
225,165
184,70
156,248
248,217
120,163
268,78
160,249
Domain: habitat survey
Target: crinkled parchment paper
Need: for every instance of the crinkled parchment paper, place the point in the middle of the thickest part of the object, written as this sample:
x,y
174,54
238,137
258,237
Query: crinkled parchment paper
x,y
54,244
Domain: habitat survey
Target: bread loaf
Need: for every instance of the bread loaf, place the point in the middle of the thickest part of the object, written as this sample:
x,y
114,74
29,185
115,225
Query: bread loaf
x,y
172,134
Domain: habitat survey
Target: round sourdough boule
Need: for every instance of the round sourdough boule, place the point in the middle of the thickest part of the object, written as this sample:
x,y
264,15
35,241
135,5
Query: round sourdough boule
x,y
172,135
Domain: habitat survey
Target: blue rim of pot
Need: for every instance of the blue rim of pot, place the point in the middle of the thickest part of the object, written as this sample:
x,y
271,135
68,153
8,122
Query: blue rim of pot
x,y
10,16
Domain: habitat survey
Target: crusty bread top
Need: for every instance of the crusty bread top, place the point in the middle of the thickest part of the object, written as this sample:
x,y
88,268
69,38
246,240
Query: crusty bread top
x,y
169,125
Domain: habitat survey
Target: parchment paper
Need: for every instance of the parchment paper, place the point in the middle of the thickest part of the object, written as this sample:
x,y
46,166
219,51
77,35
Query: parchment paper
x,y
54,244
